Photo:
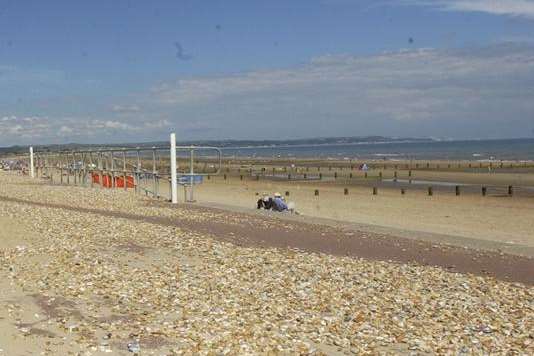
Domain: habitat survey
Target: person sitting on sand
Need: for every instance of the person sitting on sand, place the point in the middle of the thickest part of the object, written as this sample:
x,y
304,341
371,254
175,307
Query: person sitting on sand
x,y
278,203
266,202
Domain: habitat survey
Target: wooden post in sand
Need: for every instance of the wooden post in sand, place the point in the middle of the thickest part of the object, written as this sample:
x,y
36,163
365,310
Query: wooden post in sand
x,y
457,190
375,190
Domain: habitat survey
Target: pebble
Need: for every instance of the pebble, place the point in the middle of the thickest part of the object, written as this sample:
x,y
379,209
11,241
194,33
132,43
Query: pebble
x,y
187,292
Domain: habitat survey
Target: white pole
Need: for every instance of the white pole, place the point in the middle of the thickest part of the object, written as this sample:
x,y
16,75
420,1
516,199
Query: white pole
x,y
32,169
174,182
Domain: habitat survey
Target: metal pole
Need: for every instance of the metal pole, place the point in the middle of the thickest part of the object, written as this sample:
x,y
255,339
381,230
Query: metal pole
x,y
154,173
137,180
124,169
60,160
91,168
101,167
174,182
68,167
74,167
32,169
191,178
112,170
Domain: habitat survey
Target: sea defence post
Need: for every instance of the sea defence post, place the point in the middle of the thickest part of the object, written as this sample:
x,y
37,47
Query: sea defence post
x,y
140,168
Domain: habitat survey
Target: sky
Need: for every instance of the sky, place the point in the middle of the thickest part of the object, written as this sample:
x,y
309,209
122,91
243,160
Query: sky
x,y
132,71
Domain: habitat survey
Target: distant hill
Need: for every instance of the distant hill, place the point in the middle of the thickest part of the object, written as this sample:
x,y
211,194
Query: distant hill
x,y
221,143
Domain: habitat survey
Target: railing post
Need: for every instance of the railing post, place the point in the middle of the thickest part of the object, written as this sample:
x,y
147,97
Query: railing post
x,y
124,177
137,181
154,183
74,169
101,167
112,169
174,182
32,168
191,177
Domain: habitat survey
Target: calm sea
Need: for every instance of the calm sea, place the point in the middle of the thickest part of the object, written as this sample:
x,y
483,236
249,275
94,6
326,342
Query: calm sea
x,y
512,149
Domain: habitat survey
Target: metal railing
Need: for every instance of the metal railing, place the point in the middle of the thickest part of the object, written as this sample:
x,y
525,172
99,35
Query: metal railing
x,y
141,168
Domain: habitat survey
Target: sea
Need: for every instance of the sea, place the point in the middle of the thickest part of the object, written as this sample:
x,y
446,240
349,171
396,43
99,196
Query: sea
x,y
476,150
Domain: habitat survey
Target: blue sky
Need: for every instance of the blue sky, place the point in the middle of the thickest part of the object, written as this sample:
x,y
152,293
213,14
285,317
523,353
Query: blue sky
x,y
113,71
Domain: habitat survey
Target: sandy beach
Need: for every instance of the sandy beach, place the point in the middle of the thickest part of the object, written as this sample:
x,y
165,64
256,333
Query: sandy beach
x,y
492,218
90,270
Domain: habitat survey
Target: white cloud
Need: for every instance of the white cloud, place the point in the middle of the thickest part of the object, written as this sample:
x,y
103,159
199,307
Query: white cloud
x,y
38,129
125,108
417,92
472,92
65,131
519,8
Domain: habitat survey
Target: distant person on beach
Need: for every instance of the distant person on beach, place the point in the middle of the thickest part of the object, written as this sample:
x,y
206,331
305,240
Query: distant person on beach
x,y
278,203
265,203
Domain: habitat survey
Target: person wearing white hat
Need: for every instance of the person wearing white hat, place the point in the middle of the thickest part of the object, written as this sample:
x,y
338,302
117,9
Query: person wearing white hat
x,y
278,203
